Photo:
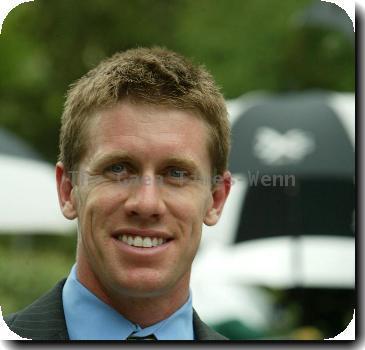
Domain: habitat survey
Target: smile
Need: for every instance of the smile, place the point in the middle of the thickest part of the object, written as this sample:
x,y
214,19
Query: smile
x,y
141,242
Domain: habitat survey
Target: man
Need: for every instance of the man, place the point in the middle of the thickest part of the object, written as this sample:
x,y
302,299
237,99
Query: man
x,y
143,164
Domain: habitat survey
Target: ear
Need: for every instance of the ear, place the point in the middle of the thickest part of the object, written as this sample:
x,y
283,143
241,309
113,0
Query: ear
x,y
65,191
220,193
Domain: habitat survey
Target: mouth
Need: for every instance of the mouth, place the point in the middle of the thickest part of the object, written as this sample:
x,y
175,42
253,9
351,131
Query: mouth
x,y
142,239
142,242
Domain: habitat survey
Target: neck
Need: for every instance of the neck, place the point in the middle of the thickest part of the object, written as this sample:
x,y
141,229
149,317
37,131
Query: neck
x,y
142,310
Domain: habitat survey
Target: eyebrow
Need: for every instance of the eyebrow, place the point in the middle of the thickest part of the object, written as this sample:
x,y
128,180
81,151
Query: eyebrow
x,y
115,156
185,163
118,156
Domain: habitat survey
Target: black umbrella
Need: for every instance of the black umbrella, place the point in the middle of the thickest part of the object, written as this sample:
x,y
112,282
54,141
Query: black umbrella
x,y
299,163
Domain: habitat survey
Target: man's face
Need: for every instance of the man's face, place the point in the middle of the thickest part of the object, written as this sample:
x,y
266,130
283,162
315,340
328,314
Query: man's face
x,y
141,198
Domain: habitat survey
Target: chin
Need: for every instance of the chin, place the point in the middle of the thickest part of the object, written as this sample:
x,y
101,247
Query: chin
x,y
142,285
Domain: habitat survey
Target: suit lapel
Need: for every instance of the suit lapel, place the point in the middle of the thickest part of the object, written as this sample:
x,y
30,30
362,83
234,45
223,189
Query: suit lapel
x,y
42,320
202,331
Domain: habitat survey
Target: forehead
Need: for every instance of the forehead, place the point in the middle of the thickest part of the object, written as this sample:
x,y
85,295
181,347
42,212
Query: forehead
x,y
148,132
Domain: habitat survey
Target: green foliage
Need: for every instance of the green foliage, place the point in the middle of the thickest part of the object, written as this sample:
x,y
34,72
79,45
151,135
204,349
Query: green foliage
x,y
247,45
30,265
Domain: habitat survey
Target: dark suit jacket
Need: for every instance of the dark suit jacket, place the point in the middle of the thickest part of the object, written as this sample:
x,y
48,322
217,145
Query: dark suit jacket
x,y
45,320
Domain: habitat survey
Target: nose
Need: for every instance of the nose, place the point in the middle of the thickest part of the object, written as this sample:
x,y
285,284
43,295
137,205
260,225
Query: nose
x,y
145,199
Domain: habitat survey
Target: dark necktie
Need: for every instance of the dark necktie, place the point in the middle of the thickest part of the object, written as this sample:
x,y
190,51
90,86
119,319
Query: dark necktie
x,y
147,337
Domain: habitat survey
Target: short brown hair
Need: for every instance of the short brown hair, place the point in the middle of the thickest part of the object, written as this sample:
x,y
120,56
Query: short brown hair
x,y
149,75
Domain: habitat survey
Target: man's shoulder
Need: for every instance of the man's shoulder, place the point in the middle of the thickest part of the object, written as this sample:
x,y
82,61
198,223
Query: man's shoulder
x,y
203,331
43,319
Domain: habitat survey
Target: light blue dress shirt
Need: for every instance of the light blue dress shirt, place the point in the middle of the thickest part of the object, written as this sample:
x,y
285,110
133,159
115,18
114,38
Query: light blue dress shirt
x,y
89,318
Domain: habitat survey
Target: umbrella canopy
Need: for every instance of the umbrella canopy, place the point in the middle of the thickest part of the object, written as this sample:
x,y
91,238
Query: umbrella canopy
x,y
291,134
327,262
299,163
29,198
28,190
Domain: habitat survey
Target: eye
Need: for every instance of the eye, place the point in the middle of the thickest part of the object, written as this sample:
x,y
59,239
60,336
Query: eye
x,y
117,168
177,176
117,171
177,173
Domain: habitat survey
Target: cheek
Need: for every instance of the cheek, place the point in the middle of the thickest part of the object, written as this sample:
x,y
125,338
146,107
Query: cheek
x,y
98,213
189,207
100,203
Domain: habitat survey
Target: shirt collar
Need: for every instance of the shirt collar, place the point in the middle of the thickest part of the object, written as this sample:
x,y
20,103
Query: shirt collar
x,y
89,318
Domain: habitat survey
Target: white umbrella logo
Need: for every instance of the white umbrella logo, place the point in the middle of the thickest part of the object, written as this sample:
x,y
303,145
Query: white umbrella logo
x,y
275,148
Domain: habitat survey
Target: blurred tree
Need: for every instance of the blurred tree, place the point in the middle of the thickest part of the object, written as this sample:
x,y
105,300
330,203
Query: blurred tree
x,y
46,45
247,45
318,57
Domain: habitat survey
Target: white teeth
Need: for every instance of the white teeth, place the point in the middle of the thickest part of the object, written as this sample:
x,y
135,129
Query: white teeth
x,y
147,243
138,241
130,240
